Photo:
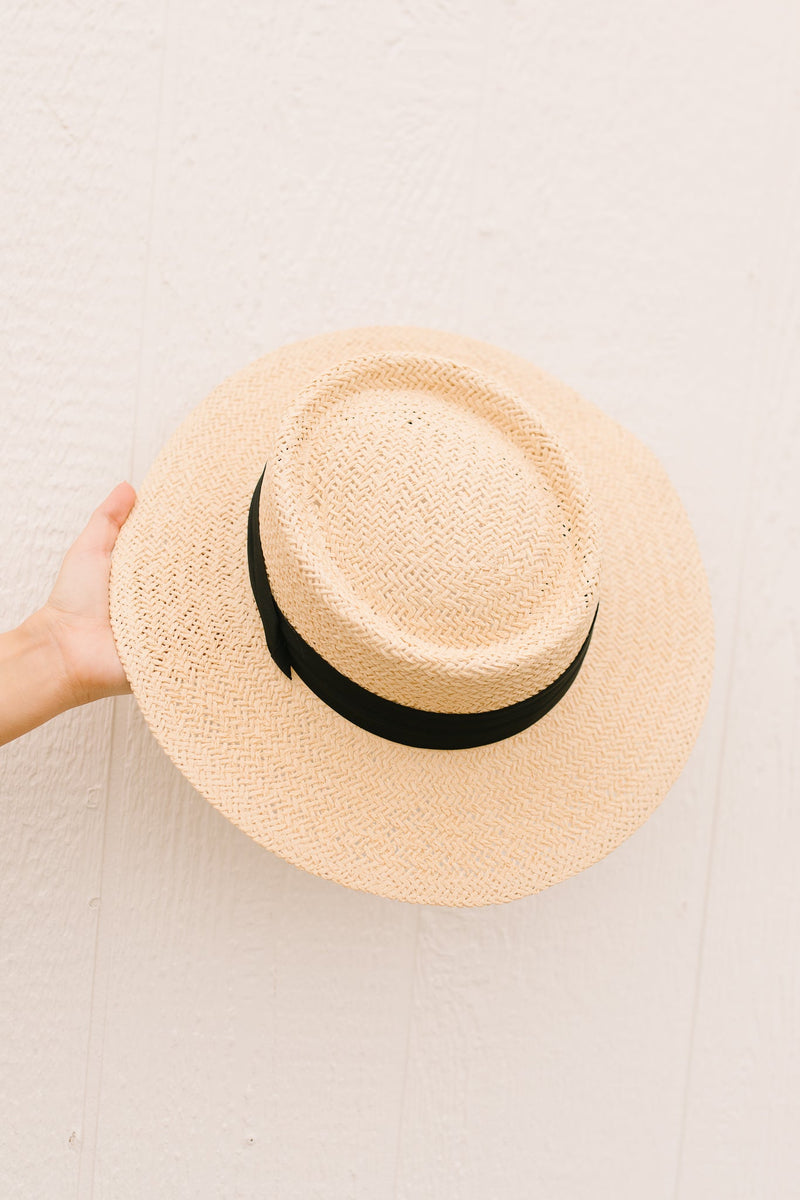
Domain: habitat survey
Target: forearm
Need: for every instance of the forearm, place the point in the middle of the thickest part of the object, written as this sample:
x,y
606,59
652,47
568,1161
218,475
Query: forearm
x,y
33,681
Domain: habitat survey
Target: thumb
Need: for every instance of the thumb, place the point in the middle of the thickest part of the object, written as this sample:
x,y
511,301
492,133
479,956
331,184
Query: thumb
x,y
107,519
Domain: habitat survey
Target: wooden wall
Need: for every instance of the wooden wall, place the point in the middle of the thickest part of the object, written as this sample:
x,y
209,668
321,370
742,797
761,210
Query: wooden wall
x,y
612,190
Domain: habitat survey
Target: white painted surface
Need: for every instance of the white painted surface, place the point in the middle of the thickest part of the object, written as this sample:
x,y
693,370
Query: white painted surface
x,y
611,190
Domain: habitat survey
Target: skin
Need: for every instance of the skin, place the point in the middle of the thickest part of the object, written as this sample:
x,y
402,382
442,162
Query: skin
x,y
63,655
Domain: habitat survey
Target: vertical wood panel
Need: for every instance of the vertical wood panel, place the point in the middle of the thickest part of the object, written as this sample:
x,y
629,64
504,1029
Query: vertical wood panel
x,y
743,1097
78,114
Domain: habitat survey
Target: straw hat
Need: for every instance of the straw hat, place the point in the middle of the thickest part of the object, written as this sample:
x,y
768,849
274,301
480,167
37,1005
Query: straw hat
x,y
415,616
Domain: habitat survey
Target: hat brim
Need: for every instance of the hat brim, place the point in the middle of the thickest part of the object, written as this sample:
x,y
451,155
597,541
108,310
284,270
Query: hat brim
x,y
457,827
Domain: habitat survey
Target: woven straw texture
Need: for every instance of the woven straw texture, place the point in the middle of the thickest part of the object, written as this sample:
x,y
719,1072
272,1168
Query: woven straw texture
x,y
439,519
428,536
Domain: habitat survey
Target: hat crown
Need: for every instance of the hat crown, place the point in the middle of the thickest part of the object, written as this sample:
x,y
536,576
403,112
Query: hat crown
x,y
427,535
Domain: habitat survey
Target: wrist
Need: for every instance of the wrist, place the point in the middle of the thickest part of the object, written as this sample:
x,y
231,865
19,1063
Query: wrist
x,y
46,652
34,683
47,663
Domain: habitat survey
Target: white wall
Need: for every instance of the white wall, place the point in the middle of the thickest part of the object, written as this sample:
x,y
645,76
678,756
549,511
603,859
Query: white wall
x,y
611,189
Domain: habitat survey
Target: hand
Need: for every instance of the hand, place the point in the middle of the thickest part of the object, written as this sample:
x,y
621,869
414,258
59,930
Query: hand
x,y
76,612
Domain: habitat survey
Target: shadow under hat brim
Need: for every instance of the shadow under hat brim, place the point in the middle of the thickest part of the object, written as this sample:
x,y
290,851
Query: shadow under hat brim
x,y
458,827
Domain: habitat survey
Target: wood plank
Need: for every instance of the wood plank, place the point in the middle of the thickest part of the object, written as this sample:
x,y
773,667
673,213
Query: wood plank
x,y
78,114
743,1091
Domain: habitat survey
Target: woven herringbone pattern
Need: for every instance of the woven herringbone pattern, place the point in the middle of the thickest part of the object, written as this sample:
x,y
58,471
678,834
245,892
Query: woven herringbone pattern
x,y
433,524
428,536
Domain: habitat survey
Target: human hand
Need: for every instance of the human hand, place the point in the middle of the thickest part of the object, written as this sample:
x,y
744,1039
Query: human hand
x,y
76,613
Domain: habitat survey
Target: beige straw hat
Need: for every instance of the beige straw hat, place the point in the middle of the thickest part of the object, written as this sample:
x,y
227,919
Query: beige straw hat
x,y
415,616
